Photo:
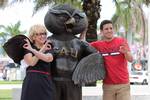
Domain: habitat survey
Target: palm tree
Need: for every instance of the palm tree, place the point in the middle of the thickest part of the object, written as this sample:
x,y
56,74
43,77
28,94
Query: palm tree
x,y
134,21
126,16
92,10
8,32
3,3
90,7
12,30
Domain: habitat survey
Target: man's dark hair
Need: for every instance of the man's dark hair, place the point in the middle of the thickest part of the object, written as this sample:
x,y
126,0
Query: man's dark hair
x,y
105,22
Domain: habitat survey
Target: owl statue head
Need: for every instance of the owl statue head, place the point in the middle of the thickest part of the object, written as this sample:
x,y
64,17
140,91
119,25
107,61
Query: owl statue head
x,y
65,19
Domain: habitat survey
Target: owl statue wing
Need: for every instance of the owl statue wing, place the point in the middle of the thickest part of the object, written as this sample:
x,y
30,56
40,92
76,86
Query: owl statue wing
x,y
89,69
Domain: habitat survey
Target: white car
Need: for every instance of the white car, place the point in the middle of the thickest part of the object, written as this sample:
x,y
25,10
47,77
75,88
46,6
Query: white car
x,y
139,77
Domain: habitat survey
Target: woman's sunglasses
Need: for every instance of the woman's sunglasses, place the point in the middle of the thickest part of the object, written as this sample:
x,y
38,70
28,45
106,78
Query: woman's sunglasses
x,y
40,34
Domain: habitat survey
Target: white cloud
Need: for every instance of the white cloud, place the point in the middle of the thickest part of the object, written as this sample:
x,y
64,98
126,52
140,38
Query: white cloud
x,y
107,10
23,12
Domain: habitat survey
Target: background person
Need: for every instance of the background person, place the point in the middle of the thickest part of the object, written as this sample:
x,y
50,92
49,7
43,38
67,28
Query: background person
x,y
116,53
37,84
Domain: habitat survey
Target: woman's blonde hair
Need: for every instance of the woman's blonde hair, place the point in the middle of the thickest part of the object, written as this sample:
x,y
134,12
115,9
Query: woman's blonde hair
x,y
38,28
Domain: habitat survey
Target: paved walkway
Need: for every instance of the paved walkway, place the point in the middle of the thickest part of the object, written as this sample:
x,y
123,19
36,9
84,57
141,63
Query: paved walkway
x,y
10,86
138,92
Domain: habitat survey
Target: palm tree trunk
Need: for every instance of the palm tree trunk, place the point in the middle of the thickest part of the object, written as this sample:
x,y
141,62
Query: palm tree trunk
x,y
92,10
3,3
145,35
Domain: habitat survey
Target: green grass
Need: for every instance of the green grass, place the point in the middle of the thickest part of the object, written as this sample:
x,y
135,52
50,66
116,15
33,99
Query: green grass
x,y
6,94
99,82
10,82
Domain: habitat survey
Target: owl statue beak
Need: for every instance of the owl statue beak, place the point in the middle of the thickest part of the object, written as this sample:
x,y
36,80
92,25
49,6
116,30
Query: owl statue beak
x,y
70,24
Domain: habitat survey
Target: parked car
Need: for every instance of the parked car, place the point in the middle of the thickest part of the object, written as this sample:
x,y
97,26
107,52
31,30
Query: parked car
x,y
139,77
139,65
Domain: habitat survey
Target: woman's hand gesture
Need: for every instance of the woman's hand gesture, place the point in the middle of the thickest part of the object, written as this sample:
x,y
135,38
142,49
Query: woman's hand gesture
x,y
27,45
46,46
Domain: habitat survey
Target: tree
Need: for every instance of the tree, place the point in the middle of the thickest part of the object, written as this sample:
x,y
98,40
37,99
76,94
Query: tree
x,y
12,30
3,3
92,10
126,16
90,7
130,15
9,31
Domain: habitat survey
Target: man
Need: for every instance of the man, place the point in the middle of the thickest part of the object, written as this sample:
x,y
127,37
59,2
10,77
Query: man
x,y
116,53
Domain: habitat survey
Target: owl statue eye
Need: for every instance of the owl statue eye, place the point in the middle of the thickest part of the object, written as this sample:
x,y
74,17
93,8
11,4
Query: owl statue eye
x,y
63,17
77,18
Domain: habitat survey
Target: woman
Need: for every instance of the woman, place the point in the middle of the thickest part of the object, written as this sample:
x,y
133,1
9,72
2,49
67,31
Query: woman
x,y
37,84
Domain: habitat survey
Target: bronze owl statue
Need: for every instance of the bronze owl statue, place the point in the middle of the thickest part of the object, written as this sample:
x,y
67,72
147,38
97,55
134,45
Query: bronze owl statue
x,y
75,62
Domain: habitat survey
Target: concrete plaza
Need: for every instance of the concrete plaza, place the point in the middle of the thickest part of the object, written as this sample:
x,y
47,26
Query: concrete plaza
x,y
138,92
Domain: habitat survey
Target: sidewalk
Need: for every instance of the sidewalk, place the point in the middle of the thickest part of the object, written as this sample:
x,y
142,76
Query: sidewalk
x,y
138,92
10,86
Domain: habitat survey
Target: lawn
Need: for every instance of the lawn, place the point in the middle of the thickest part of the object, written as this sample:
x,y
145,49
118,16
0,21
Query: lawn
x,y
5,94
11,82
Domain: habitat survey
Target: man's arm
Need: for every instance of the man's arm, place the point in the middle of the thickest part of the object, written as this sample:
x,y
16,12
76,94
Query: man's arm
x,y
128,56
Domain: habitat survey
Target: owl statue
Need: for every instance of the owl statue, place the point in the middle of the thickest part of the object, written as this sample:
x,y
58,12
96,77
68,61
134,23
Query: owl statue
x,y
75,62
